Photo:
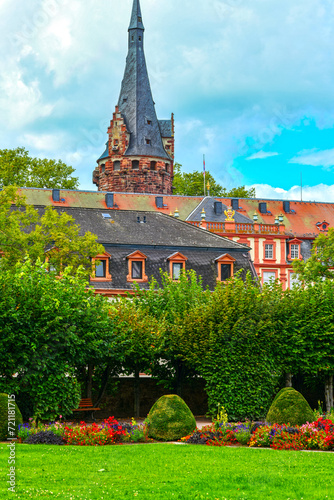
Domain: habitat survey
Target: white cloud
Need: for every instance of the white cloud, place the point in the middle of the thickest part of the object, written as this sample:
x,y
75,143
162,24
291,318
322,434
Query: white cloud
x,y
21,103
261,155
320,192
43,142
316,158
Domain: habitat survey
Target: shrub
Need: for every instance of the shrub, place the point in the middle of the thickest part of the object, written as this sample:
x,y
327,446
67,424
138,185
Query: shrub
x,y
45,437
170,419
290,407
4,431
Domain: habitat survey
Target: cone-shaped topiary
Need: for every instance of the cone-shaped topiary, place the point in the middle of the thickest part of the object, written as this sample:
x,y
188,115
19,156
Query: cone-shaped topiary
x,y
15,414
282,391
170,419
290,407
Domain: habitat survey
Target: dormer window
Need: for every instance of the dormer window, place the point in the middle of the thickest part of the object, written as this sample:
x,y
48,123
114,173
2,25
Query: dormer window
x,y
323,226
225,267
136,267
177,264
100,268
139,19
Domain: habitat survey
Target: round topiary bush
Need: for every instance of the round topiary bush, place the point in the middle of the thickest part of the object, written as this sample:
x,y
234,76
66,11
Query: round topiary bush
x,y
170,419
290,407
13,411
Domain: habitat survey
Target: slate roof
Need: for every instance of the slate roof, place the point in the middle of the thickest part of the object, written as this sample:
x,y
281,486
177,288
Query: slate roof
x,y
202,261
122,228
135,101
106,153
166,128
208,205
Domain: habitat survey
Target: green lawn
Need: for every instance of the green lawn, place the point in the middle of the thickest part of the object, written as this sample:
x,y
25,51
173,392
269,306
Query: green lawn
x,y
168,471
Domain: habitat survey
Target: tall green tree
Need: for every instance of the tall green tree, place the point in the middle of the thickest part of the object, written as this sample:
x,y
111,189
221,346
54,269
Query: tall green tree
x,y
231,342
172,304
192,184
142,335
319,266
50,328
45,234
17,168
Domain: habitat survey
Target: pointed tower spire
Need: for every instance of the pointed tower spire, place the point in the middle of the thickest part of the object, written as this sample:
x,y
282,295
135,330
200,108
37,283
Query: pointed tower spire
x,y
135,101
140,151
136,21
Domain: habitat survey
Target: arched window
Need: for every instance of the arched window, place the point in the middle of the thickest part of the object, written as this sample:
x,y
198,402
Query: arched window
x,y
117,165
135,164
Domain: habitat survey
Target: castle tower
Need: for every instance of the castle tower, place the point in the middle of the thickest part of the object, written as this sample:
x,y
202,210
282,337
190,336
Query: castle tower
x,y
140,149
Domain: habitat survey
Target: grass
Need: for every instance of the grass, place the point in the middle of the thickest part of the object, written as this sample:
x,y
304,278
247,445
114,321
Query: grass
x,y
167,471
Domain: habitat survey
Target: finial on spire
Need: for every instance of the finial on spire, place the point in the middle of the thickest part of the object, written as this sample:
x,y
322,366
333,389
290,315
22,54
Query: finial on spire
x,y
136,17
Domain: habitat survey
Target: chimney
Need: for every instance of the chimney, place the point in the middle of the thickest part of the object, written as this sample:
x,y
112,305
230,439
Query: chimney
x,y
218,207
56,195
263,208
159,201
109,199
235,204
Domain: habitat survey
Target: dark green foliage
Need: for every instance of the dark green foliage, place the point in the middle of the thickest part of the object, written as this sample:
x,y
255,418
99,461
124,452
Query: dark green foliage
x,y
231,341
290,407
4,418
170,419
45,437
50,328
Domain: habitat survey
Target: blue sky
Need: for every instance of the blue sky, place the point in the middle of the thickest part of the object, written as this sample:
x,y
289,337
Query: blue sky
x,y
250,84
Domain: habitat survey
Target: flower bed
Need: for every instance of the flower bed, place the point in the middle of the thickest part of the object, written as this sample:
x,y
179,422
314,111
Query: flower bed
x,y
108,433
318,435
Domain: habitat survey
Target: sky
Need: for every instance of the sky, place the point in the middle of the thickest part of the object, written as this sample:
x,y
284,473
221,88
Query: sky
x,y
250,84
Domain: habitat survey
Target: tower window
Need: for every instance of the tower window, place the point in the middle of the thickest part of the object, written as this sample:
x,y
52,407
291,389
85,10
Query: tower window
x,y
117,165
132,38
135,164
153,165
148,141
139,19
140,38
166,167
103,168
149,122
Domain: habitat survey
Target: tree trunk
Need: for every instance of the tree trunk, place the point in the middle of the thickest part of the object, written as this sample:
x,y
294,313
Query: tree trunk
x,y
137,394
329,393
104,384
89,385
288,379
179,377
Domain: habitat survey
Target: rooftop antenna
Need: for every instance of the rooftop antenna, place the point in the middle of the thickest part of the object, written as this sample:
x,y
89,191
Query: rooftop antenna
x,y
204,175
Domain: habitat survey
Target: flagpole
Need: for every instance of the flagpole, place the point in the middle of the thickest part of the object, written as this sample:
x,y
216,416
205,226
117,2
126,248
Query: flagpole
x,y
204,175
